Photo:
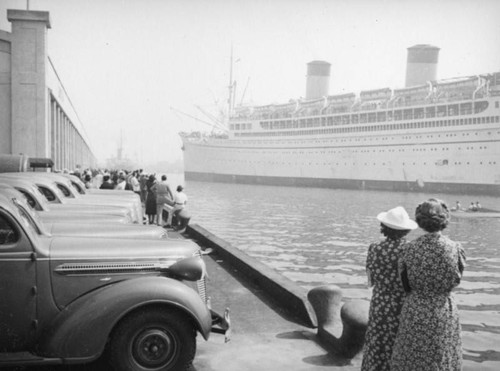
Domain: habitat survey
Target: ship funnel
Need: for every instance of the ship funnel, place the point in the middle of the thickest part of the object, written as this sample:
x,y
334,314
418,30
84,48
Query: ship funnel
x,y
318,79
421,65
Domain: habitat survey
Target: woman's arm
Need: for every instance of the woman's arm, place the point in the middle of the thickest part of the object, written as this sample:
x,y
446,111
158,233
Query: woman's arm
x,y
404,278
370,257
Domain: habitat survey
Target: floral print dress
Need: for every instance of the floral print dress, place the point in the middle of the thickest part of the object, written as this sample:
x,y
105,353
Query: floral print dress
x,y
385,305
429,331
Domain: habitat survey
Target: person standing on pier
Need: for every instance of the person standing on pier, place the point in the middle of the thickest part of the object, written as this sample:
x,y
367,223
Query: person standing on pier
x,y
107,183
164,199
151,199
180,201
431,267
388,293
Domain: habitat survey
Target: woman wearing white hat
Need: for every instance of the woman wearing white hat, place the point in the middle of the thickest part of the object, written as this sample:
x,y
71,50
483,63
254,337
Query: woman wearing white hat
x,y
388,292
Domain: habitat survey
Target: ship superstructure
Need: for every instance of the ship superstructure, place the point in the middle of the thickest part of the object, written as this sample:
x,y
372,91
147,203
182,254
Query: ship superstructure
x,y
434,135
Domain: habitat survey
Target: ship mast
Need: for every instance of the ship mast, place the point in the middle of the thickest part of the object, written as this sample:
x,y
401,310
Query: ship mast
x,y
230,87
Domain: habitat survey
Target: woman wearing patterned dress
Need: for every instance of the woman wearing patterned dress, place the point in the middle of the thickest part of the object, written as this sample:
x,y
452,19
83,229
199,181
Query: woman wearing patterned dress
x,y
387,296
431,266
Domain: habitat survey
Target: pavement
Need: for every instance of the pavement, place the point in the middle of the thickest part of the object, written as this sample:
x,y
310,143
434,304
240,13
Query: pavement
x,y
264,337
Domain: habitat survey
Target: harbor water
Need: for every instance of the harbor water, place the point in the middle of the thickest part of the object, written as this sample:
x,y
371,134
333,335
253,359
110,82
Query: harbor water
x,y
320,236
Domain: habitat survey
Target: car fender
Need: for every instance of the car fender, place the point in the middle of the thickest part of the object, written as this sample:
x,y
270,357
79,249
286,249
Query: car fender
x,y
82,329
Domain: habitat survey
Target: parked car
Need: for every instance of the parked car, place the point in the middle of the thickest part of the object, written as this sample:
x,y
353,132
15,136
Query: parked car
x,y
73,299
80,225
48,186
38,195
72,187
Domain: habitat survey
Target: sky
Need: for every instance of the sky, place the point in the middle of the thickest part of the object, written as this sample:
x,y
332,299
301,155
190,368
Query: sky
x,y
137,71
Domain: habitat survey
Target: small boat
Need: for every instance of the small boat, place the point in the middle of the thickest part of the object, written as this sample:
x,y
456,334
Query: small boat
x,y
481,213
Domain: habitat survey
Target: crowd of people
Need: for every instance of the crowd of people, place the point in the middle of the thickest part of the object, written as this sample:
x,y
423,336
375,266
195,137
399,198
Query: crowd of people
x,y
413,319
162,205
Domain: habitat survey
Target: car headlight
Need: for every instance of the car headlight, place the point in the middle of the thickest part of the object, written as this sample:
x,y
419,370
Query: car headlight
x,y
191,269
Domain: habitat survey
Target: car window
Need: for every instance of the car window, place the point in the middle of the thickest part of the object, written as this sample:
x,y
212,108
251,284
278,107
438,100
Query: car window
x,y
49,195
40,198
31,201
78,187
64,190
27,217
8,234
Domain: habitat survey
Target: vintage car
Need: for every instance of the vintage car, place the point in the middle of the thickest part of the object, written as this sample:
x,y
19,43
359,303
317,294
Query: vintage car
x,y
73,188
72,299
73,197
81,225
38,195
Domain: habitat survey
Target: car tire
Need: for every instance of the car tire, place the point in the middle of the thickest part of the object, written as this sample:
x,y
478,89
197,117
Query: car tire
x,y
153,340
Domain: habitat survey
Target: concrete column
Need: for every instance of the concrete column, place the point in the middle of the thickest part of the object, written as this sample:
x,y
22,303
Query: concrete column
x,y
29,93
59,138
5,93
71,146
65,141
53,132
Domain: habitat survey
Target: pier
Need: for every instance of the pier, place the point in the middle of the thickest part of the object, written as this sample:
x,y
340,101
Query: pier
x,y
273,322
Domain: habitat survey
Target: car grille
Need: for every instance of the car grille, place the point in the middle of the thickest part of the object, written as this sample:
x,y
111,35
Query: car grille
x,y
201,284
202,289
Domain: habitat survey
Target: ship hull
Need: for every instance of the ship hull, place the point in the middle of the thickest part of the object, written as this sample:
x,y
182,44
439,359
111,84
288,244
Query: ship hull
x,y
450,153
365,184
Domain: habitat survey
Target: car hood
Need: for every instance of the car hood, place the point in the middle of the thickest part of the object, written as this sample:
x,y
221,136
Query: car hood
x,y
106,230
90,208
82,264
50,217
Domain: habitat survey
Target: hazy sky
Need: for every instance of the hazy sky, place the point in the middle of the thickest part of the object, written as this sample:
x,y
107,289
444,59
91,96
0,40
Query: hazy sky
x,y
125,63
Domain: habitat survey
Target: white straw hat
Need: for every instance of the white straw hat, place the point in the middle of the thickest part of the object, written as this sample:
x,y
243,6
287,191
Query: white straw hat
x,y
397,218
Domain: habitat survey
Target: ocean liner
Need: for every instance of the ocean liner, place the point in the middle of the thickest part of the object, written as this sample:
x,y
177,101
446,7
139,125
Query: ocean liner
x,y
431,136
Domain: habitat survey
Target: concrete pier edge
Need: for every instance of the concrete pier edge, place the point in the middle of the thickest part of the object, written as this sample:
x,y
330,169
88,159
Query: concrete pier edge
x,y
284,292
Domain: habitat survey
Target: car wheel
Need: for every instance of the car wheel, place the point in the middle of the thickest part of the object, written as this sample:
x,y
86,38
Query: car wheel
x,y
153,340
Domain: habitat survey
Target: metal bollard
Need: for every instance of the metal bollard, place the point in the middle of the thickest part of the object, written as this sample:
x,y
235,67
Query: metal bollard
x,y
326,302
340,329
354,315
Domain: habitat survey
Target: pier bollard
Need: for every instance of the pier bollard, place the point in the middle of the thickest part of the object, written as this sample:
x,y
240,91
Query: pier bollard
x,y
326,302
354,315
183,218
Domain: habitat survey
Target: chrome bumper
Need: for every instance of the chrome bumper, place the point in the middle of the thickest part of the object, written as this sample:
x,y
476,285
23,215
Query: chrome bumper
x,y
221,324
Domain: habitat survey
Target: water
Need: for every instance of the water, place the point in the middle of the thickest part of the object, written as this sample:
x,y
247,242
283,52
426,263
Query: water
x,y
320,236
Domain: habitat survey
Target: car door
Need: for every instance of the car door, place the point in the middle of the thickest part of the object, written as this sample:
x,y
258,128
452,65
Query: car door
x,y
17,286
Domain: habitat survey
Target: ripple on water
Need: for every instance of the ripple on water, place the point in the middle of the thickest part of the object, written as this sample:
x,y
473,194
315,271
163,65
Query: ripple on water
x,y
480,318
477,342
477,299
468,285
493,275
343,243
328,278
